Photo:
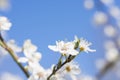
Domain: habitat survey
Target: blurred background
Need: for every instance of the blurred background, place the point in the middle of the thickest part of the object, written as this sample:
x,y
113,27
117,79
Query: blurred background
x,y
46,21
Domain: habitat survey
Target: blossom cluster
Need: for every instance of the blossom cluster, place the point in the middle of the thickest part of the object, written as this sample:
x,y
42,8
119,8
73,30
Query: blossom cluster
x,y
32,58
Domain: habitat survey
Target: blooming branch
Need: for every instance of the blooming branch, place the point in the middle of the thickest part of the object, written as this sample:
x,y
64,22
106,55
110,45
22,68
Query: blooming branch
x,y
68,50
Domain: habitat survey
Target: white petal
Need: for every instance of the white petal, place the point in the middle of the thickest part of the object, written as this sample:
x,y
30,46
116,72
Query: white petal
x,y
29,47
36,57
27,53
23,60
54,48
4,23
73,52
91,50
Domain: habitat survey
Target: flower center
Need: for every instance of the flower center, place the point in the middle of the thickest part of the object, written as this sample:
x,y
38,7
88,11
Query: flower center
x,y
64,48
81,48
68,69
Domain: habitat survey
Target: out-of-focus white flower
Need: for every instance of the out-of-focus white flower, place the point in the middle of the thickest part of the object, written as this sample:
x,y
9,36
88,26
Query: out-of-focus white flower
x,y
4,23
108,2
100,18
100,63
109,31
13,46
30,52
65,48
109,45
115,12
88,4
112,54
71,68
84,46
4,4
9,76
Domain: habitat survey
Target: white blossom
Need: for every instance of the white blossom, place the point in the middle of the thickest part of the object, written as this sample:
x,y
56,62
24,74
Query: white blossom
x,y
84,46
30,52
28,47
37,71
64,48
71,68
5,24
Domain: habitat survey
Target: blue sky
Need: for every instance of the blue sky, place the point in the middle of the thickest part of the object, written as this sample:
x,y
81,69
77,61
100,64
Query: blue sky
x,y
44,22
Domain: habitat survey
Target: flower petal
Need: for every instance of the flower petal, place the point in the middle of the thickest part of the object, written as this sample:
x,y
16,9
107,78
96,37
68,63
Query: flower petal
x,y
23,60
54,48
